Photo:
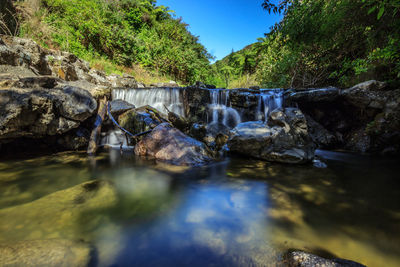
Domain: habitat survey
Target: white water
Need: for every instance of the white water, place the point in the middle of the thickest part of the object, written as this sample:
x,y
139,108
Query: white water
x,y
114,138
221,112
158,98
268,100
220,109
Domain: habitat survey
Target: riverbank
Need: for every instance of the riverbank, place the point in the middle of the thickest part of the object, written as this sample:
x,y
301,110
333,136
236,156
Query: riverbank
x,y
49,100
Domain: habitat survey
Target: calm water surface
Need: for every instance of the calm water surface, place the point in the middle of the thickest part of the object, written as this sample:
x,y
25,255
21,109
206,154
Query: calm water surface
x,y
233,213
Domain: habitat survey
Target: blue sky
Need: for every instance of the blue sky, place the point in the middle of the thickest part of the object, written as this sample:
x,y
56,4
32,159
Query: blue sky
x,y
223,25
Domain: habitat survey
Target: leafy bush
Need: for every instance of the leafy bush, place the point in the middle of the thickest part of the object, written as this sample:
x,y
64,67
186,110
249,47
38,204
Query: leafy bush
x,y
127,32
326,42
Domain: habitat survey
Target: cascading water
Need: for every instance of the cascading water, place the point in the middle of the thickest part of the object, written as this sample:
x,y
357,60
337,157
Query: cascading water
x,y
158,98
268,100
220,111
114,138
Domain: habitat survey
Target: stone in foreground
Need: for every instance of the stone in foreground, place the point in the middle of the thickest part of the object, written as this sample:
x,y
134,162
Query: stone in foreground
x,y
303,259
285,139
52,252
169,144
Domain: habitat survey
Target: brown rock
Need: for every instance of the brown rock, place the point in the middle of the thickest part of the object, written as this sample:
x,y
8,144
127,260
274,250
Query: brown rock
x,y
169,144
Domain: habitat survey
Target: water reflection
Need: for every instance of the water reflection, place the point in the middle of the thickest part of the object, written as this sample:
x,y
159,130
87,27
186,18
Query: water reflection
x,y
233,213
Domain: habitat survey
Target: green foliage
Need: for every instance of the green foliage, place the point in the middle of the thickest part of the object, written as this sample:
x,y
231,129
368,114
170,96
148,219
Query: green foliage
x,y
127,32
325,42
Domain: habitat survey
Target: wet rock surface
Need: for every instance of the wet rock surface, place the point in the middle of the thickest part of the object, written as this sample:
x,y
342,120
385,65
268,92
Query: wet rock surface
x,y
52,252
59,211
328,94
364,118
47,93
141,119
303,259
117,107
169,144
42,112
284,139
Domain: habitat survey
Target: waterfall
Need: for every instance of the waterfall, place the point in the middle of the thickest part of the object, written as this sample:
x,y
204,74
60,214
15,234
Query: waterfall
x,y
114,138
268,100
220,111
158,98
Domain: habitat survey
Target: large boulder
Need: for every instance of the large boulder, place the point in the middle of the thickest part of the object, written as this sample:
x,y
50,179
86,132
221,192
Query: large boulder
x,y
52,252
367,95
284,139
169,144
364,118
41,112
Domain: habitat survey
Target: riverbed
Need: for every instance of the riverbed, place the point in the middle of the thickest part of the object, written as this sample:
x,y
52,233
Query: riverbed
x,y
235,212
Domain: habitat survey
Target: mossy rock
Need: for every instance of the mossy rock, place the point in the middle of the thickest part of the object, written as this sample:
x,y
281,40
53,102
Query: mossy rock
x,y
54,252
63,214
141,119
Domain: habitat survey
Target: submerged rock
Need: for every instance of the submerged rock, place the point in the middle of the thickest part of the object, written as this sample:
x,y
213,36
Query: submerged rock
x,y
303,259
57,215
53,252
285,139
169,144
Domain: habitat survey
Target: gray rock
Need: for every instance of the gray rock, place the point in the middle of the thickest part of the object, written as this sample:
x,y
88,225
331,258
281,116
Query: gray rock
x,y
179,122
328,94
24,52
169,144
285,139
367,95
371,85
203,85
198,131
118,106
303,259
52,252
126,81
320,136
41,112
141,119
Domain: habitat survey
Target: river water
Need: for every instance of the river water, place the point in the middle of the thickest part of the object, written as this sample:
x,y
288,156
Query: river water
x,y
235,212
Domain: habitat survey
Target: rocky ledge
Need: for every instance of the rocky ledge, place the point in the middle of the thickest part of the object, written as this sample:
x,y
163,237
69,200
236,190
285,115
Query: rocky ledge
x,y
364,118
49,97
283,139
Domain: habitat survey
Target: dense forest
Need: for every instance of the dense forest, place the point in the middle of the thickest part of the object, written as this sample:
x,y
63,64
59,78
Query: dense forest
x,y
319,43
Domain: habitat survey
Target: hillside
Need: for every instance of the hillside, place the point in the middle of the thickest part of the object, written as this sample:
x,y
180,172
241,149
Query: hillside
x,y
320,43
125,36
